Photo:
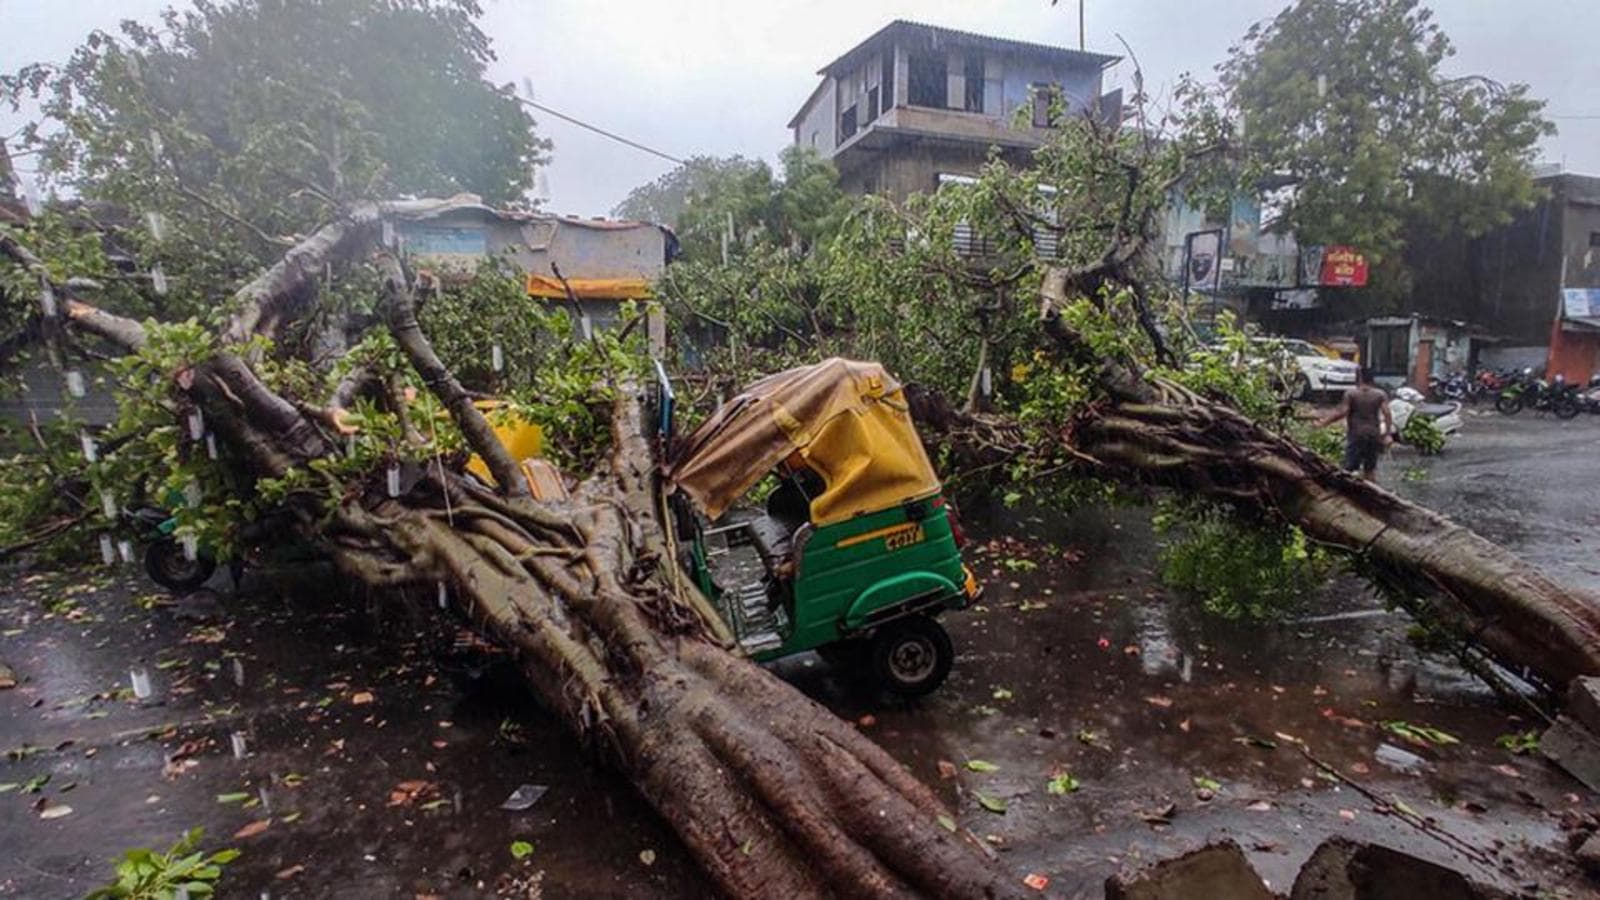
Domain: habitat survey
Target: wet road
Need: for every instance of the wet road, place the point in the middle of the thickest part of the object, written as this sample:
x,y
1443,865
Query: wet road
x,y
383,769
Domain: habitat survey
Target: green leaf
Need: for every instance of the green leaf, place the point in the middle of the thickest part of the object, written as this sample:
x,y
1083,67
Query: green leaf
x,y
992,804
978,765
1207,784
1062,784
947,823
521,849
238,797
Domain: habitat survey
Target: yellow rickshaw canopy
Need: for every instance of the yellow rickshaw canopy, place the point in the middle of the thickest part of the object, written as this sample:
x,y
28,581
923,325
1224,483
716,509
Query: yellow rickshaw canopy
x,y
847,421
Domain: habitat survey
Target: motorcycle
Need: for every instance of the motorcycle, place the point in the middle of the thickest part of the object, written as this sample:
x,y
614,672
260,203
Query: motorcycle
x,y
1489,383
1539,395
1454,387
1408,402
1590,398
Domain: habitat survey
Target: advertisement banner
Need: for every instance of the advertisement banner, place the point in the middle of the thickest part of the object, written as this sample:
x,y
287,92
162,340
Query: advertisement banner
x,y
1342,267
1203,264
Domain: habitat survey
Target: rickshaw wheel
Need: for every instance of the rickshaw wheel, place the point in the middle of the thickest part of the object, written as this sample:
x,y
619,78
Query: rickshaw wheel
x,y
912,657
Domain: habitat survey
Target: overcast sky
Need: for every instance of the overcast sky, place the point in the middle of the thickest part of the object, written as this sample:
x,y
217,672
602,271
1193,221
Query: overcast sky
x,y
723,76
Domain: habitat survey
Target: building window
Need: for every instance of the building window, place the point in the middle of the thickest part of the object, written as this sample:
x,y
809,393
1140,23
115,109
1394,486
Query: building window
x,y
847,124
872,104
1044,96
815,136
972,69
928,83
1594,238
887,78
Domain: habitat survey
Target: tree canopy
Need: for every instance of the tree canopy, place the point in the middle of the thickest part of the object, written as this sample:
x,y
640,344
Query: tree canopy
x,y
234,126
1352,100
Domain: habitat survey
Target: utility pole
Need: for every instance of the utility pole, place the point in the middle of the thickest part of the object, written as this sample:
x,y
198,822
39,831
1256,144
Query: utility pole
x,y
1080,24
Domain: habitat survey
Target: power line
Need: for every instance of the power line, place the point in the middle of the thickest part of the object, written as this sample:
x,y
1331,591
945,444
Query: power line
x,y
1595,116
601,131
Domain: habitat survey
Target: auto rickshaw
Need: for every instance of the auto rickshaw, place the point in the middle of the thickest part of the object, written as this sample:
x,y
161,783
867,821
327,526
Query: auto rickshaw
x,y
857,546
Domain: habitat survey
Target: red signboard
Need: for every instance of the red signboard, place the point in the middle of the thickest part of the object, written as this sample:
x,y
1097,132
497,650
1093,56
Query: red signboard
x,y
1343,267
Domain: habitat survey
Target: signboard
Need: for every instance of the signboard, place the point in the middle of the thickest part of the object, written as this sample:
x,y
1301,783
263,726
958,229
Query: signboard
x,y
1343,267
1334,265
1202,263
445,246
1580,303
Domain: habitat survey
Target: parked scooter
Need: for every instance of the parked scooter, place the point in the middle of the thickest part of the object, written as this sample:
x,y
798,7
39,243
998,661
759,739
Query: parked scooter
x,y
1408,402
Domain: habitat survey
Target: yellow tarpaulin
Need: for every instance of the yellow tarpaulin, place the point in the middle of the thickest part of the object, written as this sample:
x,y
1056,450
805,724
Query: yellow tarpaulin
x,y
521,438
590,288
847,421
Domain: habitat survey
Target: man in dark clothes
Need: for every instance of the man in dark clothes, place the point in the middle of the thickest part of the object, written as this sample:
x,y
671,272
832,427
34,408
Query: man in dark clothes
x,y
1364,438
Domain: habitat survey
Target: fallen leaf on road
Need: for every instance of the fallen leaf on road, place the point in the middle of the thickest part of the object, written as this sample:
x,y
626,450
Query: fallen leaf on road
x,y
1160,815
1349,815
992,804
648,857
292,871
1260,806
253,829
56,811
979,765
1036,881
1158,700
361,698
1507,770
947,769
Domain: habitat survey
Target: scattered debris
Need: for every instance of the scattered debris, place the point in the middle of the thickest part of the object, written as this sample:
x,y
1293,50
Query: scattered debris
x,y
524,797
1399,760
1342,869
1217,870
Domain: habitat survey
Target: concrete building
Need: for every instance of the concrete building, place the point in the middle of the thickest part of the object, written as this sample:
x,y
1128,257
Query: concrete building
x,y
1533,284
606,262
916,104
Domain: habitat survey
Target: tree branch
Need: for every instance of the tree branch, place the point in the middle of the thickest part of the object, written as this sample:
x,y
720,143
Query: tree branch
x,y
401,312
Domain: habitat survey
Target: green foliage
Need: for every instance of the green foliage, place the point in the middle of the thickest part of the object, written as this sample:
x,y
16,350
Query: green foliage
x,y
1349,98
1237,569
229,128
143,874
1421,433
1519,743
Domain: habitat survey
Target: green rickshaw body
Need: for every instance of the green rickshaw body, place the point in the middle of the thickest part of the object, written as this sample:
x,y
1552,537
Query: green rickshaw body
x,y
857,544
853,574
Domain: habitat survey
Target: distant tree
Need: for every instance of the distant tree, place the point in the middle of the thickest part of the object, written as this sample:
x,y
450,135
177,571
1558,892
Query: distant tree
x,y
665,200
708,200
1349,98
233,126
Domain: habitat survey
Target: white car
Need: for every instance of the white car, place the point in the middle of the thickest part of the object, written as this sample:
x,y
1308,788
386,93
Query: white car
x,y
1313,374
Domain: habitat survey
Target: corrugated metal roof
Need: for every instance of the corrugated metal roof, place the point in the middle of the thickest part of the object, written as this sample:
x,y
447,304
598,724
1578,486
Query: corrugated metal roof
x,y
902,29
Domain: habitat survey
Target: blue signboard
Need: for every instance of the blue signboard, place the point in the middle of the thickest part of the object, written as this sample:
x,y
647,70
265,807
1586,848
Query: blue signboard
x,y
1580,303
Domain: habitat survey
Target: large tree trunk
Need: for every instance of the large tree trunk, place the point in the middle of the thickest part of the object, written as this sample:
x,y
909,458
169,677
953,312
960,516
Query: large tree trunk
x,y
772,794
1155,432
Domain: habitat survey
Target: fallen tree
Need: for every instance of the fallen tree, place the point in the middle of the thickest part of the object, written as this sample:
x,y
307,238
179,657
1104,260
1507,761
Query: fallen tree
x,y
771,793
1153,431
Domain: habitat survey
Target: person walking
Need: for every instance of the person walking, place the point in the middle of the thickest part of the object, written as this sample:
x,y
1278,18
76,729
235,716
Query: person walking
x,y
1369,427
